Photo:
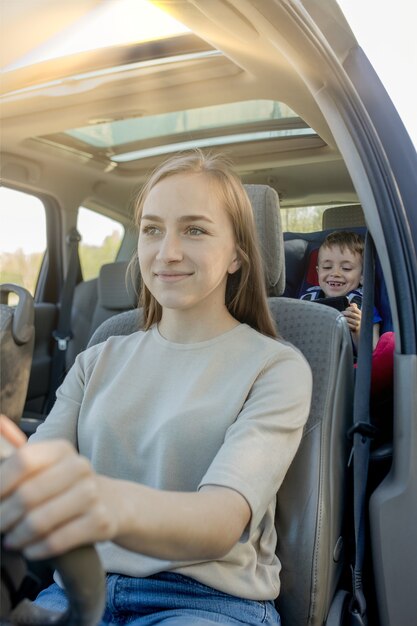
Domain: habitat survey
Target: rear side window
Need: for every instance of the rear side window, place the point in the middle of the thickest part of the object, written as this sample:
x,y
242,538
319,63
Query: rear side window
x,y
306,219
101,237
22,238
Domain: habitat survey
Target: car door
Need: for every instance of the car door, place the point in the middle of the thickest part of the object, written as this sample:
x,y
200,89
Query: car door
x,y
383,165
31,258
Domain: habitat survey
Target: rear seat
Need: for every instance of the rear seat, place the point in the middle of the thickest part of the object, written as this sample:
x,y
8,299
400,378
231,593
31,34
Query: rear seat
x,y
347,216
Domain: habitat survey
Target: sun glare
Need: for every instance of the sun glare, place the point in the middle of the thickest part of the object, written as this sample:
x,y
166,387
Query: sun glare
x,y
112,23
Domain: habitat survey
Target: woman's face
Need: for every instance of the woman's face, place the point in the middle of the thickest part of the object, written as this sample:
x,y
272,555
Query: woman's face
x,y
186,245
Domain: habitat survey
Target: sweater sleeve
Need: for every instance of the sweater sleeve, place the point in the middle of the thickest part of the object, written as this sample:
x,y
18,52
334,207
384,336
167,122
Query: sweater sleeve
x,y
260,445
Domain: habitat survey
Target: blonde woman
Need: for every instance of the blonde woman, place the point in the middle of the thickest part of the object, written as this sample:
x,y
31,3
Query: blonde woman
x,y
167,446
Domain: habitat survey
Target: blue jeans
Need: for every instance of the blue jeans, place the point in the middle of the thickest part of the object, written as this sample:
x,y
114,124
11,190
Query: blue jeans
x,y
169,599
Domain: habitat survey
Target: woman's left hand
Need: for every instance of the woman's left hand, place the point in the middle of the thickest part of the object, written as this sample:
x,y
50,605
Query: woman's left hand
x,y
52,500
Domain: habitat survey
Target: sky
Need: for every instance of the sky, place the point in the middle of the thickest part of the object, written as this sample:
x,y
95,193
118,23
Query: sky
x,y
25,215
386,30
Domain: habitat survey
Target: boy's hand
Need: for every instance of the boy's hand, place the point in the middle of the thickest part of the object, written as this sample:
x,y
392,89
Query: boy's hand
x,y
353,317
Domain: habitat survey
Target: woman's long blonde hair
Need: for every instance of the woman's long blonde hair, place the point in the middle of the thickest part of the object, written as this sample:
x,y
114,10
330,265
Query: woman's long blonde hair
x,y
246,297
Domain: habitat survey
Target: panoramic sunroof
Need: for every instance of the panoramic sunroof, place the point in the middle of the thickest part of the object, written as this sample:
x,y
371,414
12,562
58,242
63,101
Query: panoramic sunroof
x,y
217,125
208,142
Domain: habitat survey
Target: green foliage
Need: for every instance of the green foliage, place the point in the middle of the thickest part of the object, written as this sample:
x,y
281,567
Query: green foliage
x,y
93,257
20,268
23,269
302,220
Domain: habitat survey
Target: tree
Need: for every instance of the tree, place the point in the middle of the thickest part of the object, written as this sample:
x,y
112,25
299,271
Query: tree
x,y
93,257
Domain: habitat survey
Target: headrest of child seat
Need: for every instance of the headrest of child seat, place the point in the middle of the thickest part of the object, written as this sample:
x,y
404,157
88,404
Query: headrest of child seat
x,y
311,278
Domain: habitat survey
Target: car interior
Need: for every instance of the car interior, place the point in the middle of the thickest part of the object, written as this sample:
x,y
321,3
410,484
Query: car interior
x,y
254,81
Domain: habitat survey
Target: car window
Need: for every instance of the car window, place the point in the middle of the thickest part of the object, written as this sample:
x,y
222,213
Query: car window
x,y
101,237
306,219
22,238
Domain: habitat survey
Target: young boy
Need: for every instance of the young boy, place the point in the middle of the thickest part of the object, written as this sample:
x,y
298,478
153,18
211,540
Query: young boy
x,y
339,270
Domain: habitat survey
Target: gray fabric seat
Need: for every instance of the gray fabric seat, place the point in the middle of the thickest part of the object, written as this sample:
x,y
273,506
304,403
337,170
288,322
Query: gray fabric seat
x,y
97,300
311,502
347,216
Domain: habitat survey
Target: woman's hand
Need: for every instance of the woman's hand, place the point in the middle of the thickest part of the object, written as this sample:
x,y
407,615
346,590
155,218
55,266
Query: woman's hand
x,y
51,499
11,436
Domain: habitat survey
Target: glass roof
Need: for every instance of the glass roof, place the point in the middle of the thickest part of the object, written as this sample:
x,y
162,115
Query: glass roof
x,y
209,142
202,120
126,140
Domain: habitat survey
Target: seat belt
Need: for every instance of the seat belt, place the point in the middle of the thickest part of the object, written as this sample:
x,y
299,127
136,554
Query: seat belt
x,y
63,334
362,433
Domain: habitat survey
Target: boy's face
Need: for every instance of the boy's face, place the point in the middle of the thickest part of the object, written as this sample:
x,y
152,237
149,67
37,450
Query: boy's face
x,y
339,272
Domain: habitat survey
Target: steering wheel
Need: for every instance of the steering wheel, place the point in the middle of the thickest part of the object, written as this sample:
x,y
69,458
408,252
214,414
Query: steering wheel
x,y
84,582
80,569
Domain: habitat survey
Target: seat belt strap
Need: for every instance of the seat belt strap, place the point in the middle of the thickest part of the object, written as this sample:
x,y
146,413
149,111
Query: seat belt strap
x,y
362,433
63,335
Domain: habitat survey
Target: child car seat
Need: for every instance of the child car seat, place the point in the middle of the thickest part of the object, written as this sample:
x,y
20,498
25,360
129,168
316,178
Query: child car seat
x,y
301,251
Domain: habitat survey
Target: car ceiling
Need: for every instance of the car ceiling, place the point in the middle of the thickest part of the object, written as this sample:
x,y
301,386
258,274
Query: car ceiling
x,y
257,38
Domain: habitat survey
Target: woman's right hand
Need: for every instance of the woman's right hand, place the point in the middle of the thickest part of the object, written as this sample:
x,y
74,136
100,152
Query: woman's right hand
x,y
11,436
51,499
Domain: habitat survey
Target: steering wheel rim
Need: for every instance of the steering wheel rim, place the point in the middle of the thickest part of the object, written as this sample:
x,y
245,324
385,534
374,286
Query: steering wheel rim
x,y
83,579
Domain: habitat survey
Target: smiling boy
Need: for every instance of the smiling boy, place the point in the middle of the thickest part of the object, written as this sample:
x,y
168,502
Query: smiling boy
x,y
339,271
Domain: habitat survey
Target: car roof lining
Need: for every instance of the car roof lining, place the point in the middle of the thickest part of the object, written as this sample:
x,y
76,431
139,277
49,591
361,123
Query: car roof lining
x,y
236,74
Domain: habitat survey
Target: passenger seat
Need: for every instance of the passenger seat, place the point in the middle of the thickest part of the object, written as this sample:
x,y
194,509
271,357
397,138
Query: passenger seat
x,y
98,299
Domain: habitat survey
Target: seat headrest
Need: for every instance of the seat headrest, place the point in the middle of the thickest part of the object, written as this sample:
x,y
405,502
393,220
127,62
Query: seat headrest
x,y
265,205
115,288
348,216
